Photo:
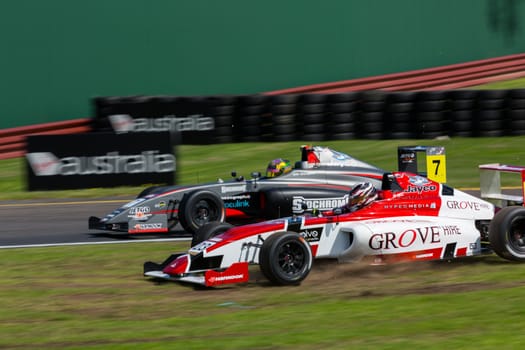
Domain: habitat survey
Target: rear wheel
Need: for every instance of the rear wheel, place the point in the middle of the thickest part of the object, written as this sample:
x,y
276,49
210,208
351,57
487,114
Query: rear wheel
x,y
285,258
507,233
199,208
209,230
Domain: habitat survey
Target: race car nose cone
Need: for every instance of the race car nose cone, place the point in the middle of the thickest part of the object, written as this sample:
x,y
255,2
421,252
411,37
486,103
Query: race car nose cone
x,y
179,266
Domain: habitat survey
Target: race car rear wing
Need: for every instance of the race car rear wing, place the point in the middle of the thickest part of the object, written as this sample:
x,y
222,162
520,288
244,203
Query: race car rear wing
x,y
490,183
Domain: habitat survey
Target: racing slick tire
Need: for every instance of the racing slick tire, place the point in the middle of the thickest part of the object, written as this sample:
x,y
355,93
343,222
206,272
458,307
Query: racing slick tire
x,y
507,233
198,208
285,258
209,230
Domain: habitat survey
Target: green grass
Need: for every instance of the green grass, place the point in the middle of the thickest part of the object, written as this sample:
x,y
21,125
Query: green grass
x,y
199,164
509,84
96,298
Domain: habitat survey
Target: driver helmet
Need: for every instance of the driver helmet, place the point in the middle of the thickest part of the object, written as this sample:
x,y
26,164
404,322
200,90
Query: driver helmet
x,y
278,167
361,195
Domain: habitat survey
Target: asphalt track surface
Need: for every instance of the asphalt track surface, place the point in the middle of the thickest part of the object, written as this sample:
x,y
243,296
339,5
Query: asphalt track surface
x,y
61,221
65,221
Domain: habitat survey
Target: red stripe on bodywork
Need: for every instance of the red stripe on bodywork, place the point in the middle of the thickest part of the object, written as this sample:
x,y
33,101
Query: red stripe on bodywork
x,y
178,266
241,232
235,214
426,254
131,230
314,249
461,251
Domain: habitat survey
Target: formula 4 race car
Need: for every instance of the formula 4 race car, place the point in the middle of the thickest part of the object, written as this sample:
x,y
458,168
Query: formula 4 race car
x,y
413,218
321,179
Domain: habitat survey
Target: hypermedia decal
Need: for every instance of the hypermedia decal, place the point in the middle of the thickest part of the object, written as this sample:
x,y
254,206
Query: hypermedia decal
x,y
99,160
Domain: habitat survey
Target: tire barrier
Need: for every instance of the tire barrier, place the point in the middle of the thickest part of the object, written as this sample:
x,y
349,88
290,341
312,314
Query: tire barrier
x,y
374,114
342,115
516,112
249,118
223,112
462,111
310,124
282,125
316,117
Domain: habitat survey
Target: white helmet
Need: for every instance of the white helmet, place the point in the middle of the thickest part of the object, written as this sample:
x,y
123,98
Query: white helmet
x,y
361,195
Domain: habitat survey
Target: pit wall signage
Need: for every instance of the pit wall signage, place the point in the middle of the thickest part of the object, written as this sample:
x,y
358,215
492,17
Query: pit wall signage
x,y
189,121
75,161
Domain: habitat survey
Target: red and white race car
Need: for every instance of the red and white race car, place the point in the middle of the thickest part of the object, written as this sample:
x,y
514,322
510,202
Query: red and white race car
x,y
413,218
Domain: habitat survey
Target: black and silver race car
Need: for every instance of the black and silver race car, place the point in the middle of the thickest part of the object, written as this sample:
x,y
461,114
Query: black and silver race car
x,y
321,180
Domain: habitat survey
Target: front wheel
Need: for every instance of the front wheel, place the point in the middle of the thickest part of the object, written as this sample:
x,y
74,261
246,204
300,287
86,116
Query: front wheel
x,y
209,230
285,258
507,233
200,207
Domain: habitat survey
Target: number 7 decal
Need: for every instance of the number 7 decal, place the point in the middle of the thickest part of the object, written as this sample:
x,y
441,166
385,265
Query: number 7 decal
x,y
436,168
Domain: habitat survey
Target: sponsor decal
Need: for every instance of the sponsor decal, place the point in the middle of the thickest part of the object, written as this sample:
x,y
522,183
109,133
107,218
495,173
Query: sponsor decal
x,y
418,180
236,188
236,273
237,204
299,173
312,235
226,278
160,205
421,189
233,198
409,157
317,203
47,164
139,213
431,205
200,247
407,238
450,230
123,123
148,227
340,156
467,205
142,210
44,163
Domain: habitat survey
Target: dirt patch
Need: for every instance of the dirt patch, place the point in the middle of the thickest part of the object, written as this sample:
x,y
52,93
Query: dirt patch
x,y
360,280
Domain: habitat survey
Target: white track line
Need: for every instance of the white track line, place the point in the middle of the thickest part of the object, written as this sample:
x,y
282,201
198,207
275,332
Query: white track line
x,y
95,243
